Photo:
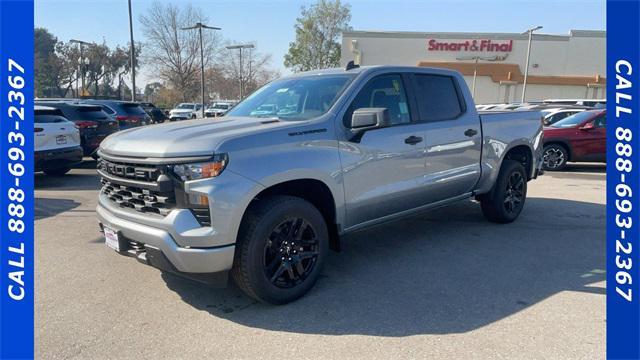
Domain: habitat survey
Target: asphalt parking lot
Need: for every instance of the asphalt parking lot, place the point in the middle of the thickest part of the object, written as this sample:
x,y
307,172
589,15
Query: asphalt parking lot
x,y
445,284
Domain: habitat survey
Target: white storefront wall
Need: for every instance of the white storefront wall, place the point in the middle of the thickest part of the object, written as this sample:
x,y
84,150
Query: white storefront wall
x,y
580,54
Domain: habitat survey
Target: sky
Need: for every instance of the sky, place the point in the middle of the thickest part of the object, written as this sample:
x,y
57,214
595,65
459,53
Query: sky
x,y
270,24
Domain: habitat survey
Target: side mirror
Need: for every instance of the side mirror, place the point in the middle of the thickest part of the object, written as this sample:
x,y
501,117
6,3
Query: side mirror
x,y
588,126
370,118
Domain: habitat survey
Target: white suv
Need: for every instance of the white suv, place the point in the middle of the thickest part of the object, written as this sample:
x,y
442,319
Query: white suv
x,y
185,111
56,142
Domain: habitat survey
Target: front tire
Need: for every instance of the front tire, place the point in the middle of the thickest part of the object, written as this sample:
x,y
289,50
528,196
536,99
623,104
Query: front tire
x,y
554,157
281,248
506,200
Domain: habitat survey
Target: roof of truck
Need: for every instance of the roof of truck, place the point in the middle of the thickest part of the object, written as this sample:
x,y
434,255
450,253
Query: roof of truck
x,y
360,69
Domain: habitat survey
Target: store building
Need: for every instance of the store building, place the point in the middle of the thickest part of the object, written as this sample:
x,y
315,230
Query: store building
x,y
560,66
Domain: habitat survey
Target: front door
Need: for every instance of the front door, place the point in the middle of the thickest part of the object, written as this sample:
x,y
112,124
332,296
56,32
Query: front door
x,y
384,168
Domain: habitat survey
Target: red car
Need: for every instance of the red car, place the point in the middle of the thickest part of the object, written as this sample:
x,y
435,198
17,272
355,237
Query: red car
x,y
577,138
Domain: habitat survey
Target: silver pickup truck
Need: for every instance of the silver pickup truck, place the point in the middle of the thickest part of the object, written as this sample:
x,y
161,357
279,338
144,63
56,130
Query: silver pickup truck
x,y
263,193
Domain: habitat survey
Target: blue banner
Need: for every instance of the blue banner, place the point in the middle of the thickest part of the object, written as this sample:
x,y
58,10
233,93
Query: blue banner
x,y
16,179
623,180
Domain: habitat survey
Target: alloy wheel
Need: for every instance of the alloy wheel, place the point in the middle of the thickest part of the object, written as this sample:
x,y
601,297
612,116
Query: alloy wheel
x,y
290,253
553,158
514,196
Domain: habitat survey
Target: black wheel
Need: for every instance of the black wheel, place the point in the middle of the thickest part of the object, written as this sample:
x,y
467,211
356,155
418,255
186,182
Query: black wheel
x,y
554,157
280,250
506,200
193,116
56,171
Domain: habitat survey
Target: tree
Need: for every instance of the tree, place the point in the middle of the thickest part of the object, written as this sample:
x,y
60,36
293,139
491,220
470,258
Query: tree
x,y
46,62
318,32
224,77
57,66
174,53
103,65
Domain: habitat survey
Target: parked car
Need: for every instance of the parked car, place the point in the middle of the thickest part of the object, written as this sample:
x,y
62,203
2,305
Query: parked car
x,y
93,122
128,114
56,142
583,102
157,115
553,115
185,111
578,138
218,109
266,198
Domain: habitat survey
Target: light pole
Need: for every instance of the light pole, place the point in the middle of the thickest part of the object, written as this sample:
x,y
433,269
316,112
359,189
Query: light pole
x,y
201,26
475,67
526,67
132,52
80,45
240,47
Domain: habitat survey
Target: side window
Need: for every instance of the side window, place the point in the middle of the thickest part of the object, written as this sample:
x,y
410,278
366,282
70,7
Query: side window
x,y
437,97
384,91
561,115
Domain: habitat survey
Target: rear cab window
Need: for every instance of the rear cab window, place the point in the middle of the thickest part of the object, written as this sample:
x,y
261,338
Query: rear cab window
x,y
438,97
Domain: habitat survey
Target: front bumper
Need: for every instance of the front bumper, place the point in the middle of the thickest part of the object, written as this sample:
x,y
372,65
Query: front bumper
x,y
188,246
185,116
159,241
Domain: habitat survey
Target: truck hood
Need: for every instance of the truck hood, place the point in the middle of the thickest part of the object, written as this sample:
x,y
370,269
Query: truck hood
x,y
184,138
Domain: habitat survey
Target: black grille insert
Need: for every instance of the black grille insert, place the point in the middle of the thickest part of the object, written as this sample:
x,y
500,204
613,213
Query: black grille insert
x,y
147,189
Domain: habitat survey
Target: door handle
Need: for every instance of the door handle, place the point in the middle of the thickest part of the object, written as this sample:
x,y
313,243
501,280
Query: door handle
x,y
470,132
412,140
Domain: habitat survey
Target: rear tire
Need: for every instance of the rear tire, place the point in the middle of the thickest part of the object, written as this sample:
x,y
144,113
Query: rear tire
x,y
554,157
506,200
281,248
56,172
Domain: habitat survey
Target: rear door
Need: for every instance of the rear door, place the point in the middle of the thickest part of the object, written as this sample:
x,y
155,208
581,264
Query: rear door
x,y
453,136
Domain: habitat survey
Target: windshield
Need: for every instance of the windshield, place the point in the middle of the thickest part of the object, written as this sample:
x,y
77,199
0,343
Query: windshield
x,y
185,106
573,120
298,98
221,106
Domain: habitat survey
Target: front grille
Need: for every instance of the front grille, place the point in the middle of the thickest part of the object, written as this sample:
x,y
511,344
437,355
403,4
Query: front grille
x,y
148,189
143,200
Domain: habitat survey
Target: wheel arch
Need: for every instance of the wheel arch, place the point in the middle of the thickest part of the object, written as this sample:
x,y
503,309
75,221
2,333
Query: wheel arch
x,y
524,155
313,190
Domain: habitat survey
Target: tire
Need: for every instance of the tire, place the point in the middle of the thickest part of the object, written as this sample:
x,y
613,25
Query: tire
x,y
193,117
268,265
554,157
506,200
56,172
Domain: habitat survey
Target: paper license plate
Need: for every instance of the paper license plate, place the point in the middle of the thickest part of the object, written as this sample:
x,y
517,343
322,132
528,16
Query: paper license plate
x,y
111,238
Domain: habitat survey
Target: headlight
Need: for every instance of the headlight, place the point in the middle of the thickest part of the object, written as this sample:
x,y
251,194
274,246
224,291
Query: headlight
x,y
202,170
